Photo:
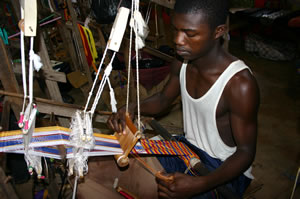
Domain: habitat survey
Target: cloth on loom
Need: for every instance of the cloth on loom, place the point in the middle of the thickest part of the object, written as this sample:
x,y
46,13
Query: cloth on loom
x,y
171,148
45,140
175,164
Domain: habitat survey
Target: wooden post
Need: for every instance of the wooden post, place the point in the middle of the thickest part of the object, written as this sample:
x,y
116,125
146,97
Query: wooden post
x,y
7,76
68,43
79,41
52,86
17,9
5,115
6,190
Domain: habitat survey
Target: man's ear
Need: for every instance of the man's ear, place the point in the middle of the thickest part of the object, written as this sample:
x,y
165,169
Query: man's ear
x,y
220,31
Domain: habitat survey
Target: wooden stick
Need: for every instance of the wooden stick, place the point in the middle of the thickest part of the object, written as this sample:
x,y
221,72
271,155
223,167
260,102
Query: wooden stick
x,y
52,102
157,174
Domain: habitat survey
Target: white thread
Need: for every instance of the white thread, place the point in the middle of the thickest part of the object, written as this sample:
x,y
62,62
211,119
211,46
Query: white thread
x,y
87,21
129,59
148,12
113,101
31,72
102,84
137,68
50,6
23,71
96,79
37,64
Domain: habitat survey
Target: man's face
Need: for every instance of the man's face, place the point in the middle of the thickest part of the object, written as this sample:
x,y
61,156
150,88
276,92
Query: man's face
x,y
193,37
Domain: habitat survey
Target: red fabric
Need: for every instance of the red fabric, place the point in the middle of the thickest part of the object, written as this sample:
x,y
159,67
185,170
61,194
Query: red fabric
x,y
260,3
87,51
166,17
294,22
153,76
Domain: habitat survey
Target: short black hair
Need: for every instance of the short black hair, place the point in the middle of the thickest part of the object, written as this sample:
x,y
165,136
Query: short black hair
x,y
216,11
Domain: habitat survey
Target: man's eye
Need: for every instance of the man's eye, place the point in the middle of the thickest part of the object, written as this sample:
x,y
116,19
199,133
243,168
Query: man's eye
x,y
191,34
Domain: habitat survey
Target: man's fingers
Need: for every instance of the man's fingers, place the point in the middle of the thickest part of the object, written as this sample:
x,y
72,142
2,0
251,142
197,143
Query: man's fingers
x,y
123,125
162,195
110,124
163,191
116,125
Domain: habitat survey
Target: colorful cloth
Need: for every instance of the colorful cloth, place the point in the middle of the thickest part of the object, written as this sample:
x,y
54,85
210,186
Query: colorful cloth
x,y
160,147
45,142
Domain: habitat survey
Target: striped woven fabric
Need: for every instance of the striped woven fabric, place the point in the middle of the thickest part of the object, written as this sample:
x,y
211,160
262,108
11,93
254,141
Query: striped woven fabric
x,y
46,139
160,147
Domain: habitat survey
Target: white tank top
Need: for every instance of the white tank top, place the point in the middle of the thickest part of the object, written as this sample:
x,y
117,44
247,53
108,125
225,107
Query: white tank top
x,y
199,115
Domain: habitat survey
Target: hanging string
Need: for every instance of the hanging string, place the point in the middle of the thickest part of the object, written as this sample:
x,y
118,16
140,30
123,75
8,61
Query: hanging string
x,y
23,70
31,71
102,84
95,80
129,60
137,67
148,13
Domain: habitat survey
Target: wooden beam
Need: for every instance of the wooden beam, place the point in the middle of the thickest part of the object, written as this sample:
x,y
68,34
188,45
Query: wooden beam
x,y
7,76
165,3
58,108
16,7
5,115
51,85
44,73
79,42
6,189
68,43
158,54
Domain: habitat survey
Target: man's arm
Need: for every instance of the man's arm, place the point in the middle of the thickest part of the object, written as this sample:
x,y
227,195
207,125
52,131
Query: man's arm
x,y
242,97
154,104
162,100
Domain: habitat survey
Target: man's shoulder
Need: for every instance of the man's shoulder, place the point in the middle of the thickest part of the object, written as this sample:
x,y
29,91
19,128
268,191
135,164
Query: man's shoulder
x,y
242,84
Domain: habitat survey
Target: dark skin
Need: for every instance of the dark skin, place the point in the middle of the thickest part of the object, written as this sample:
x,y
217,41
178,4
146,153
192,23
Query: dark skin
x,y
236,113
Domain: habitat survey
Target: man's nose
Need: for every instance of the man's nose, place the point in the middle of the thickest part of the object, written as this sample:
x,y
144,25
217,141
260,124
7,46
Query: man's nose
x,y
179,38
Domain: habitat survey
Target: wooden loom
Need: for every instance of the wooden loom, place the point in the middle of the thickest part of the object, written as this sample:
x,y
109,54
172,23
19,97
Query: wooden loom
x,y
127,142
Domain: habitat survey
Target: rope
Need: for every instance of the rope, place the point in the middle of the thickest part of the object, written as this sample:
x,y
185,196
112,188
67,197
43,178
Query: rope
x,y
137,68
102,84
295,184
23,72
149,9
95,81
129,61
31,71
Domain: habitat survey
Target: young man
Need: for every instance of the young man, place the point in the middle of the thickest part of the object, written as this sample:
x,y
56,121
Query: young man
x,y
220,100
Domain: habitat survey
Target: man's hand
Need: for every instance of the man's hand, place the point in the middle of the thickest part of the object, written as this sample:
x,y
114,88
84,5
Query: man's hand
x,y
181,187
117,121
